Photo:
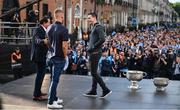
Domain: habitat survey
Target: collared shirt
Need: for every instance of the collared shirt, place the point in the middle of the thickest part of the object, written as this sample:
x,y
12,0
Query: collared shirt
x,y
56,35
44,28
49,27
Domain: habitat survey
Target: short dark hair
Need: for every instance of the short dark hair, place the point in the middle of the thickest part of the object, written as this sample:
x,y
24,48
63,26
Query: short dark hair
x,y
44,20
93,14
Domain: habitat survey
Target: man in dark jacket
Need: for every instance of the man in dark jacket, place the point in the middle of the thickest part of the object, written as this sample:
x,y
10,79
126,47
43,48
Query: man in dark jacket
x,y
38,55
97,38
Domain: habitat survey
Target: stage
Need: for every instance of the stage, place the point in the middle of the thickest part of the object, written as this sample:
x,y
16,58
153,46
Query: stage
x,y
17,95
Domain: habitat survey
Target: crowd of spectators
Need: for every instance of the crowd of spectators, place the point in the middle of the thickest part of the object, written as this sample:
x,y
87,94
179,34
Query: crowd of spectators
x,y
156,52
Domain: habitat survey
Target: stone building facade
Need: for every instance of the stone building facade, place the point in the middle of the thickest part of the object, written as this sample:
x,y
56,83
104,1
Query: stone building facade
x,y
110,12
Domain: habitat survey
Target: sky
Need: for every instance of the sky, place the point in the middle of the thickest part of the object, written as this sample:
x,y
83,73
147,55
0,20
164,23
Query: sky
x,y
174,1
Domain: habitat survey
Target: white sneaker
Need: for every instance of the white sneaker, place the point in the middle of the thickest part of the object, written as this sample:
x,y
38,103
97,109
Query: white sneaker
x,y
59,101
55,105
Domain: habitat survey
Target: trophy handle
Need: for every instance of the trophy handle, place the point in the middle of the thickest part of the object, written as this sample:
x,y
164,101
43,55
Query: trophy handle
x,y
144,74
124,73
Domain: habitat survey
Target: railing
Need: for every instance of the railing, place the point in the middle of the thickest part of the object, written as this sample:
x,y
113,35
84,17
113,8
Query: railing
x,y
16,33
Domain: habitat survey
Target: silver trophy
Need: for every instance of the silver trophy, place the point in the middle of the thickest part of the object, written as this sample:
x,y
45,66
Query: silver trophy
x,y
134,76
161,83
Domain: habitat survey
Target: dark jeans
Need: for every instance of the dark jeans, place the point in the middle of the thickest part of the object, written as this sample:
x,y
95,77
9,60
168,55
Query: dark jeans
x,y
57,69
41,70
18,73
96,78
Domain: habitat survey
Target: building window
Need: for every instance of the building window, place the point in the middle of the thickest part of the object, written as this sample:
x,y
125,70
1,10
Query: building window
x,y
45,9
77,11
85,11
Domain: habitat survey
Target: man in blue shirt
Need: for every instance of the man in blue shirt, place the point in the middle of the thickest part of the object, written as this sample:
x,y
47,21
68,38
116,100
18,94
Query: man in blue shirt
x,y
58,45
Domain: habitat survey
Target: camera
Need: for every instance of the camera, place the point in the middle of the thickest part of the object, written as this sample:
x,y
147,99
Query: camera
x,y
156,51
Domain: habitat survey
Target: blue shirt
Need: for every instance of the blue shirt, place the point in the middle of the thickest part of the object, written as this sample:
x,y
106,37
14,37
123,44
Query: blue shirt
x,y
56,35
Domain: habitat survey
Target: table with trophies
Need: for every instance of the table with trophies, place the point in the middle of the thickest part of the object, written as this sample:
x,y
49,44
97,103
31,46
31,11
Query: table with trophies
x,y
135,76
157,93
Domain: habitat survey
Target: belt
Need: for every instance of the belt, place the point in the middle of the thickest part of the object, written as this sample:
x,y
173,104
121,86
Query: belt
x,y
95,52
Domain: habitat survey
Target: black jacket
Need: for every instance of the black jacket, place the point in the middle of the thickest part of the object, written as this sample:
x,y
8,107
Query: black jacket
x,y
39,49
97,38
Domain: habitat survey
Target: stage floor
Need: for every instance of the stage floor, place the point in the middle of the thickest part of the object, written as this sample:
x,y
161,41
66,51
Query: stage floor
x,y
18,94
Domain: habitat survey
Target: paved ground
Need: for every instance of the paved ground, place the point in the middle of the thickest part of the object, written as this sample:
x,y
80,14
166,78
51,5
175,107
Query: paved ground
x,y
17,95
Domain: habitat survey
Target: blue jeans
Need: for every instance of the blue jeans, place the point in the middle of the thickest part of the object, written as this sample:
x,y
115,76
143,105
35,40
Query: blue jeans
x,y
57,68
41,70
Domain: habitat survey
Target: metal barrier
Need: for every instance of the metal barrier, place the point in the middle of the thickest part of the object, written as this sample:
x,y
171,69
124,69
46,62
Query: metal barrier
x,y
16,33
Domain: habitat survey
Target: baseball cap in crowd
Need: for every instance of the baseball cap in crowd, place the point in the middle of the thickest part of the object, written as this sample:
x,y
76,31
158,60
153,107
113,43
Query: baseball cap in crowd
x,y
113,33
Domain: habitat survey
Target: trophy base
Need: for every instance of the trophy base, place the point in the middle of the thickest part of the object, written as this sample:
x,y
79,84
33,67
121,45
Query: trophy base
x,y
134,85
160,88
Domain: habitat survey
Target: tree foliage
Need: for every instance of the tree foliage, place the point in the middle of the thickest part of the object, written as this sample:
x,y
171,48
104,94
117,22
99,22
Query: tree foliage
x,y
176,6
100,2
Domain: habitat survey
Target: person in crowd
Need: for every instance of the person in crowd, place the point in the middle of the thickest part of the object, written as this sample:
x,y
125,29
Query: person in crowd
x,y
170,57
113,49
85,63
58,47
147,63
38,55
163,66
159,64
70,59
117,62
82,64
111,58
16,63
139,47
130,59
97,38
138,60
33,16
74,61
33,19
123,63
105,64
16,20
176,68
